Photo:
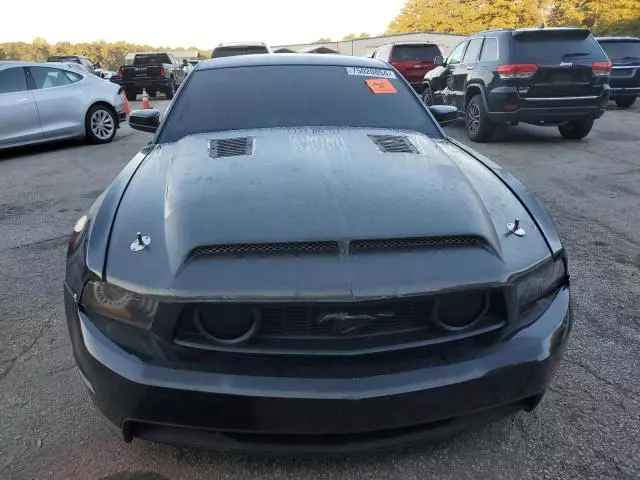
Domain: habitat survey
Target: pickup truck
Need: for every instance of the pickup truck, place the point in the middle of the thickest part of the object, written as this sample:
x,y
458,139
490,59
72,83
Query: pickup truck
x,y
153,71
86,64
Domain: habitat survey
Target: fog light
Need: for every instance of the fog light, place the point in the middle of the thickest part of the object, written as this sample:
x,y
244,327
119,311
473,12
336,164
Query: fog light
x,y
228,324
460,311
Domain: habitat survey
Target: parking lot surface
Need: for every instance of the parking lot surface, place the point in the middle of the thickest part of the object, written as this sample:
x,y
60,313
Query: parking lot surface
x,y
587,426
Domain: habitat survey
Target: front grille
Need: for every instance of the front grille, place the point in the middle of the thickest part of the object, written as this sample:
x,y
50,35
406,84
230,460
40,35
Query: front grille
x,y
229,147
393,144
412,243
285,248
333,328
327,322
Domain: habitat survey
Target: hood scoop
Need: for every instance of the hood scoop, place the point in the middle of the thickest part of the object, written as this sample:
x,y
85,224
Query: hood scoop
x,y
414,243
393,144
282,248
230,147
333,248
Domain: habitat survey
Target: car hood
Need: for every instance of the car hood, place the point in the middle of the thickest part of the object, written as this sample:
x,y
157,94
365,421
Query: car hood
x,y
316,185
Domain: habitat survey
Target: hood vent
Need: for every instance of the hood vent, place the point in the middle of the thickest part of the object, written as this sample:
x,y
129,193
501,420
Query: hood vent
x,y
393,144
332,248
230,147
285,248
413,243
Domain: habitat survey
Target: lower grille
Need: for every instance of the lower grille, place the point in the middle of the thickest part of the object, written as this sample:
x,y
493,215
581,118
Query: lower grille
x,y
325,329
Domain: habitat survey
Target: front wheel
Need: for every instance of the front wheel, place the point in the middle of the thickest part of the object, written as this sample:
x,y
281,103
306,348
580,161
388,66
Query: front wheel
x,y
625,102
152,93
576,130
427,96
100,124
479,127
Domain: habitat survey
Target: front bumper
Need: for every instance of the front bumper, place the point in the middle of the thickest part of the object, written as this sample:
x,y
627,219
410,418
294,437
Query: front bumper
x,y
319,414
121,115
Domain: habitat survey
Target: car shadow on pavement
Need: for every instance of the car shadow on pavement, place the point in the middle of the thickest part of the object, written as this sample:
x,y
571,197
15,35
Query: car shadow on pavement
x,y
50,147
511,134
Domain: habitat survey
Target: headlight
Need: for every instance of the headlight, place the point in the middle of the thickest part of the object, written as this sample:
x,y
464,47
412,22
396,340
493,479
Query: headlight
x,y
118,304
541,282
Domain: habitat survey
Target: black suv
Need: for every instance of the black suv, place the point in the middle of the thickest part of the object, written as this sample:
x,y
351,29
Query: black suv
x,y
542,76
624,52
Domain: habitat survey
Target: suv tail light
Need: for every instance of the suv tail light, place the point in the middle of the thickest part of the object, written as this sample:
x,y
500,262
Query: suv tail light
x,y
601,69
161,71
518,70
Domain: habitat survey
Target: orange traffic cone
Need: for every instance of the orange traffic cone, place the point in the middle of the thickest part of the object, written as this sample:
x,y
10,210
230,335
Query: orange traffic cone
x,y
127,107
145,99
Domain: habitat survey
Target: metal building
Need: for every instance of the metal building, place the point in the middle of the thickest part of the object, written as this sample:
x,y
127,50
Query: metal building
x,y
364,47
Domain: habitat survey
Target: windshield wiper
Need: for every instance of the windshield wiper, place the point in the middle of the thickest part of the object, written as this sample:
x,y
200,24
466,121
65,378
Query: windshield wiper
x,y
576,54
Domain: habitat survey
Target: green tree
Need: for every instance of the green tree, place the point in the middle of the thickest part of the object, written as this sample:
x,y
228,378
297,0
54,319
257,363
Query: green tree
x,y
446,16
620,17
109,55
604,17
322,40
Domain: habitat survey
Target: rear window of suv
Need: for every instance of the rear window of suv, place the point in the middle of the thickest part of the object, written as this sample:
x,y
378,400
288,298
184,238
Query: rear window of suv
x,y
622,50
548,46
153,58
232,51
414,53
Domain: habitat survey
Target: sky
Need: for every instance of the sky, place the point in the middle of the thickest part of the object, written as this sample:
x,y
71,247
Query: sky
x,y
199,23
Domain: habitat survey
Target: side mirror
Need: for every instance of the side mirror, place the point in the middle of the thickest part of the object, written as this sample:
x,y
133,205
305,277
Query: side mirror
x,y
444,114
438,60
147,120
185,62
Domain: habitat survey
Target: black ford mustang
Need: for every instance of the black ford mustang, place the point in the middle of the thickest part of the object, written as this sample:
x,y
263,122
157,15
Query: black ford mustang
x,y
302,261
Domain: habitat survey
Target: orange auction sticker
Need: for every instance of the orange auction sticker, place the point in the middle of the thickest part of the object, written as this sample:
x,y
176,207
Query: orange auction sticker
x,y
381,85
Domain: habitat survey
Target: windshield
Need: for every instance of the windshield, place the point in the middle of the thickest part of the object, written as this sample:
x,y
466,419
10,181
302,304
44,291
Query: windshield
x,y
292,96
232,51
622,51
149,59
414,53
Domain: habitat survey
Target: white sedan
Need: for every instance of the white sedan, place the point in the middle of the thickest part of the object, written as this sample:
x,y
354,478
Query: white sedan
x,y
41,102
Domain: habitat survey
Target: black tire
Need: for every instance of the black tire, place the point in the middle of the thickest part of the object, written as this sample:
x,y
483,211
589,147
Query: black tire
x,y
100,124
576,130
153,93
476,119
625,102
171,90
427,96
131,95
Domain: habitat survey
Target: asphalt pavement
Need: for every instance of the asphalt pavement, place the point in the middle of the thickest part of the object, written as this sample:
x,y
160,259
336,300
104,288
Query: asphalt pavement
x,y
587,426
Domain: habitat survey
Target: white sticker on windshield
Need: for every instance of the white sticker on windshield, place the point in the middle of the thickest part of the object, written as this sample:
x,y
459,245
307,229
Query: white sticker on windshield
x,y
371,72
